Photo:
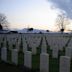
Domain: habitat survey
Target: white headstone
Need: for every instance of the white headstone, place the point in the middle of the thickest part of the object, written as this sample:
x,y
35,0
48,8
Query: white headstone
x,y
55,52
64,64
43,50
18,45
68,52
44,46
4,42
10,46
34,50
15,56
0,44
28,59
24,47
4,54
44,62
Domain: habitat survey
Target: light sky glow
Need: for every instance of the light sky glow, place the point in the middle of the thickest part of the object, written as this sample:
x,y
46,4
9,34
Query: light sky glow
x,y
29,13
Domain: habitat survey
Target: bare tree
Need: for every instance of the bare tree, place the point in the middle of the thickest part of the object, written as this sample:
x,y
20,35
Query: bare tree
x,y
61,22
3,22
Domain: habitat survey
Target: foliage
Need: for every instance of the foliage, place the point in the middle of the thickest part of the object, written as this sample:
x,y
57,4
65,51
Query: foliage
x,y
3,21
61,22
30,29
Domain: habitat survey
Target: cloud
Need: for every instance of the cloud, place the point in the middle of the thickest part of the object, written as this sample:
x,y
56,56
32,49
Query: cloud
x,y
63,5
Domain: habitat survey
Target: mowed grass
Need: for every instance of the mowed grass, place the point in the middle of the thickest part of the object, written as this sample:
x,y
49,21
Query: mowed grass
x,y
53,62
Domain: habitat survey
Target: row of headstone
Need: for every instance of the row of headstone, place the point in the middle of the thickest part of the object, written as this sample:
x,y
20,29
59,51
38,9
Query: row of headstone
x,y
64,65
58,42
44,60
11,40
15,40
14,57
33,44
33,41
34,49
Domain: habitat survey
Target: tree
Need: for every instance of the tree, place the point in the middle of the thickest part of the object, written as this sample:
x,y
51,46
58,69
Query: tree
x,y
3,22
62,21
1,28
30,29
47,30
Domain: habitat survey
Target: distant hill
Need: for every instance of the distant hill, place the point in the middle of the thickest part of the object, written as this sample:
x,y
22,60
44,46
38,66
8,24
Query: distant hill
x,y
28,30
31,30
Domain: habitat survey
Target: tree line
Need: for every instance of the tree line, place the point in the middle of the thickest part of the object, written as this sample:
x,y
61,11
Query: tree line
x,y
61,22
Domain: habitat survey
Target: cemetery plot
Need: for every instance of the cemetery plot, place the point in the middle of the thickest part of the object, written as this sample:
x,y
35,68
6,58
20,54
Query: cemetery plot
x,y
39,52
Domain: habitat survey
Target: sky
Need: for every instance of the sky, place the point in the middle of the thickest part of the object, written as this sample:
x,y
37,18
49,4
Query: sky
x,y
39,14
64,5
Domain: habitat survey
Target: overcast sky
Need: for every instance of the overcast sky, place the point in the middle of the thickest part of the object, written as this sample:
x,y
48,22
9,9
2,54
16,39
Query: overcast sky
x,y
30,13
